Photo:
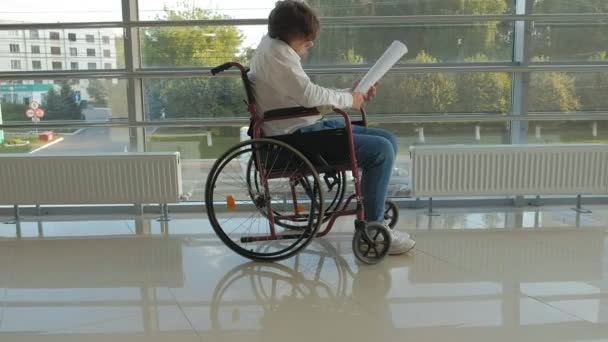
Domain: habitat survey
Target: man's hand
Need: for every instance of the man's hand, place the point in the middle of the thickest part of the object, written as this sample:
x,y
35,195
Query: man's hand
x,y
371,93
358,99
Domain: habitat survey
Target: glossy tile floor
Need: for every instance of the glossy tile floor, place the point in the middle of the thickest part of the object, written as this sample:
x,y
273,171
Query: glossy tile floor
x,y
493,275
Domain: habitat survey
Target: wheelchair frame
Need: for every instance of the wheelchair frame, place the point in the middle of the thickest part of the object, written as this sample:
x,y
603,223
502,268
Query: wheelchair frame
x,y
365,234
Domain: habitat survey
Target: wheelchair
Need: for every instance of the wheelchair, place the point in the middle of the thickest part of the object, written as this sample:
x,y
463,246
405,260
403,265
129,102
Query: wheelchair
x,y
267,198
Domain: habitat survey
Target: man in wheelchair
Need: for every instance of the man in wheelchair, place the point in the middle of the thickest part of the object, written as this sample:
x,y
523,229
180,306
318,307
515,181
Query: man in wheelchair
x,y
279,82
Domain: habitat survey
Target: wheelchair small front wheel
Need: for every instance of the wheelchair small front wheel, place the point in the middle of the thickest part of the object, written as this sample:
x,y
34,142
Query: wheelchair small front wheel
x,y
391,213
372,249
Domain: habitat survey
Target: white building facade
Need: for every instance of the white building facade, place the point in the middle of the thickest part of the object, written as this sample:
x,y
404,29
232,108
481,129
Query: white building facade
x,y
53,50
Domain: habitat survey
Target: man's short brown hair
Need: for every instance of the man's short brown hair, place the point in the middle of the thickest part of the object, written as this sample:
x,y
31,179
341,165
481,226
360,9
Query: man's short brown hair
x,y
293,19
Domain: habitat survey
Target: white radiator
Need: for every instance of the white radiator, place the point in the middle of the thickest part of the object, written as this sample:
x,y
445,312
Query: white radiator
x,y
108,178
475,170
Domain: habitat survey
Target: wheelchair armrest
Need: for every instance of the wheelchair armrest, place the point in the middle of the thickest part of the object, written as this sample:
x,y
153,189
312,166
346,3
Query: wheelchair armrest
x,y
362,122
289,113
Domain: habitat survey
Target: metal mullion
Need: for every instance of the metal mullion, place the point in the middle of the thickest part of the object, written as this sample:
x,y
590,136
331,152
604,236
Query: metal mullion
x,y
383,118
135,95
318,70
352,20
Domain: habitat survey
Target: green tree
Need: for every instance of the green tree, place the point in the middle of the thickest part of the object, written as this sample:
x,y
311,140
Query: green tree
x,y
418,93
593,87
98,90
13,111
62,105
482,92
576,41
552,91
192,47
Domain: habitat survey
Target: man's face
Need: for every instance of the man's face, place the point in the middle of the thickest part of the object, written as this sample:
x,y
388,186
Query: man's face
x,y
301,45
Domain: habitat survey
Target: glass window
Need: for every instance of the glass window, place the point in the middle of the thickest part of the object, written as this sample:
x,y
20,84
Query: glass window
x,y
34,34
90,38
568,41
57,66
72,37
567,132
107,53
92,66
338,44
55,50
74,65
35,49
91,52
569,6
54,35
105,39
109,94
73,51
568,92
15,64
174,9
44,11
14,48
36,65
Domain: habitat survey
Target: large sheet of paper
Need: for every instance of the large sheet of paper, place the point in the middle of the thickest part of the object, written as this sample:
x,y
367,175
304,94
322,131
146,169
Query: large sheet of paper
x,y
391,56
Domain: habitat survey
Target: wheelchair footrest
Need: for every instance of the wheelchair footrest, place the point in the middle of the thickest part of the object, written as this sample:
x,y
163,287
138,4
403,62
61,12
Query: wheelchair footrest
x,y
247,239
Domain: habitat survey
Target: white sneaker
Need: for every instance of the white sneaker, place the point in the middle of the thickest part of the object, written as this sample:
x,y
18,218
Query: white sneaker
x,y
401,242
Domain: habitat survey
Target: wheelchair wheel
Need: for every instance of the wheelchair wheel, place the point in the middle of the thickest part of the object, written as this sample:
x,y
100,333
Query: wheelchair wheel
x,y
371,251
336,194
391,213
241,214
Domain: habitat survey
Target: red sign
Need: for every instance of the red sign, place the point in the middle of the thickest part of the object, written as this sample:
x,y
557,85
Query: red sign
x,y
39,113
30,113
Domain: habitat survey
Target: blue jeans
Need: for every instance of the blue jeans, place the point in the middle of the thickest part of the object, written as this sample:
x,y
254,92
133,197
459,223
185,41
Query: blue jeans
x,y
376,151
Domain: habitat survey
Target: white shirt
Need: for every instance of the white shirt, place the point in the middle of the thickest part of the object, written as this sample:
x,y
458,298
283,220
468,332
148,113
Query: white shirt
x,y
279,81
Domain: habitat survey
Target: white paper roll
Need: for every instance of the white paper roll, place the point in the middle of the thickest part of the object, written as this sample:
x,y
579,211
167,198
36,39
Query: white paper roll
x,y
391,56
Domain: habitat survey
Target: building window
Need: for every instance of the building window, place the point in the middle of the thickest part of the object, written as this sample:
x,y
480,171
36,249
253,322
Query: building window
x,y
34,34
74,65
35,49
36,65
107,53
15,64
105,39
14,48
57,66
92,66
54,35
13,33
91,52
55,50
73,52
90,38
107,65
